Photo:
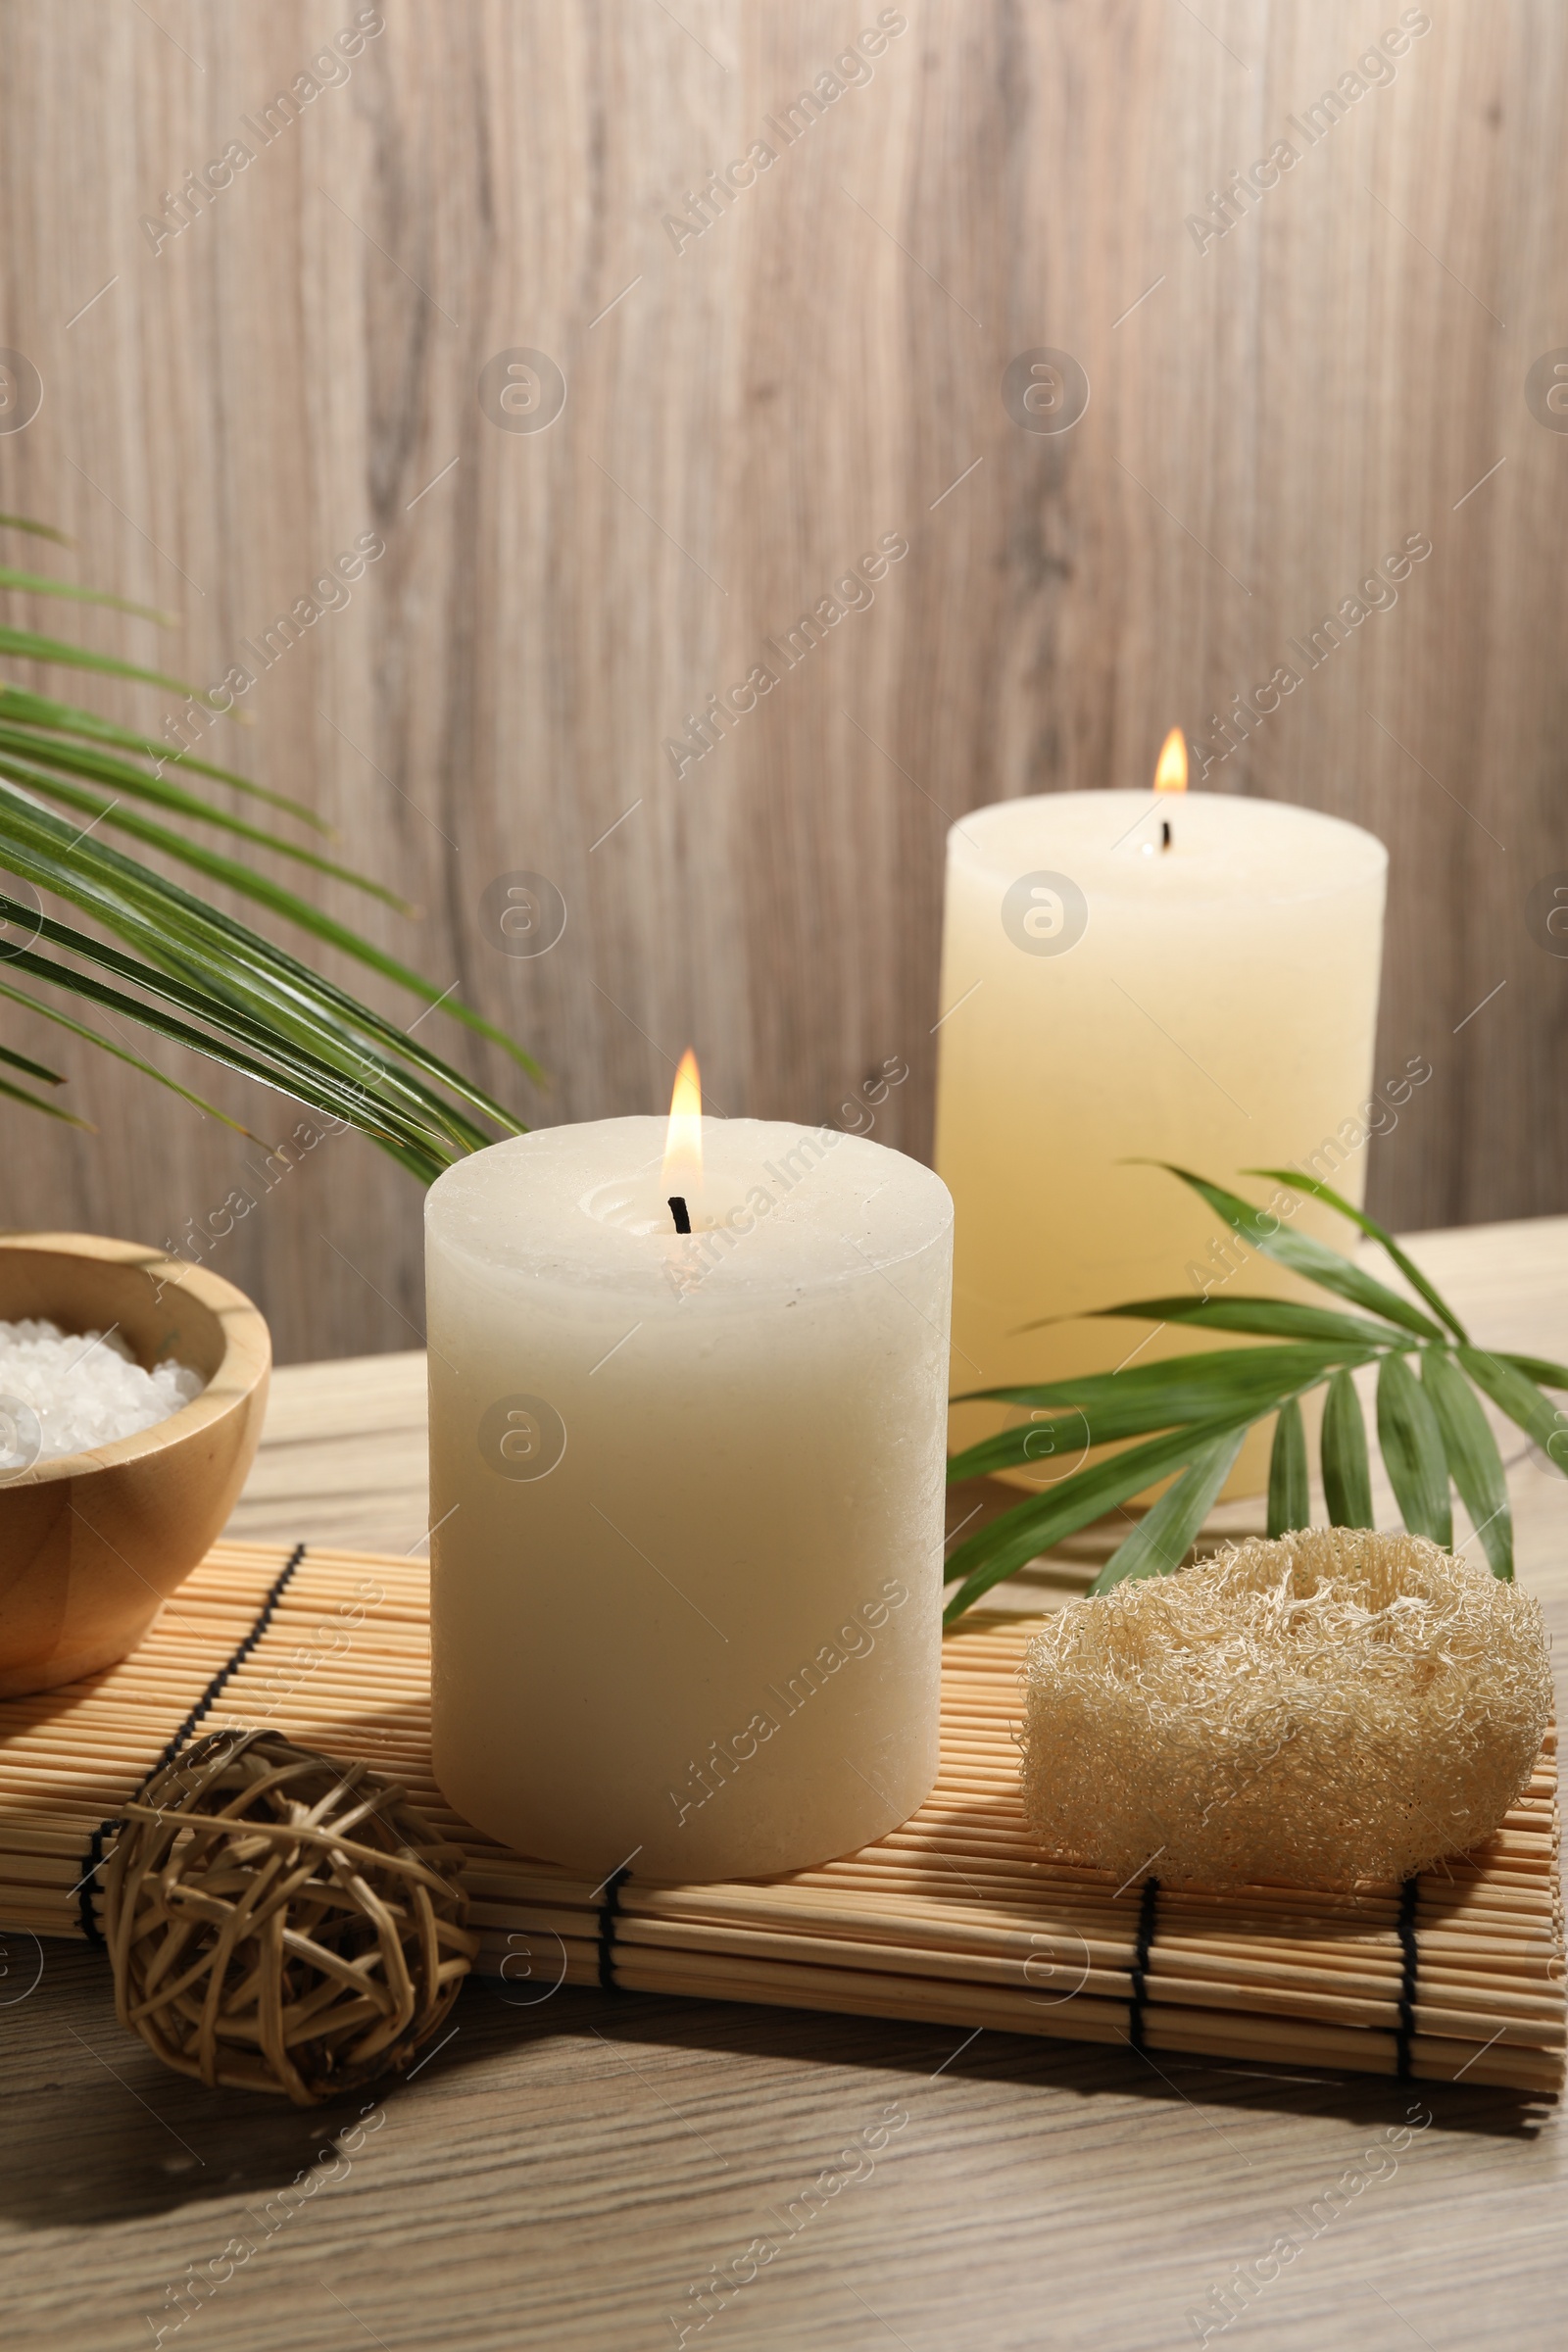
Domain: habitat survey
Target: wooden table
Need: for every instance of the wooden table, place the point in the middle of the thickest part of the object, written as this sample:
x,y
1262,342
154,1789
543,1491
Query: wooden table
x,y
562,2174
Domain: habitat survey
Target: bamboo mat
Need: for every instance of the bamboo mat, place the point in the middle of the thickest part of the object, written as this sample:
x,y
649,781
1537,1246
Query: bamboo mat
x,y
955,1918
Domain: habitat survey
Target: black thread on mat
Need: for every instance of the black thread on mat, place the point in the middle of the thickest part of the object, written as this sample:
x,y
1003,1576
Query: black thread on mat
x,y
1149,1904
87,1891
607,1911
1406,1928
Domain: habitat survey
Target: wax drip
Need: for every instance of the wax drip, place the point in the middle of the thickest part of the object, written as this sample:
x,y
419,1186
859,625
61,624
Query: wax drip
x,y
680,1213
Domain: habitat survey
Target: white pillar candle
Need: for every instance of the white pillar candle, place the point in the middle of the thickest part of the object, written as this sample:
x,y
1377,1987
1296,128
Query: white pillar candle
x,y
1107,999
687,1495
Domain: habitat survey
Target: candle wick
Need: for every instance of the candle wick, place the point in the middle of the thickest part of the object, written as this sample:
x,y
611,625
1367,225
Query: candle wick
x,y
680,1213
1165,832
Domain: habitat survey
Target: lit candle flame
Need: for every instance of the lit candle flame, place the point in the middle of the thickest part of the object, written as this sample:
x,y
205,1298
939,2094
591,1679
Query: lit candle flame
x,y
1170,774
683,1144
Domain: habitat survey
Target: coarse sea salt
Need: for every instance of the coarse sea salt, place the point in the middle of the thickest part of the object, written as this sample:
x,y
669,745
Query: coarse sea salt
x,y
84,1389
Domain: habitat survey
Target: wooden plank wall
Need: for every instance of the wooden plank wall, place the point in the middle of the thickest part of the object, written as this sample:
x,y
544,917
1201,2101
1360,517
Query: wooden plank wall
x,y
749,411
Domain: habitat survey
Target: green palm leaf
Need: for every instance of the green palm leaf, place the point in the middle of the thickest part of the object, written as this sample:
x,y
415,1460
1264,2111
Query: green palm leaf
x,y
203,980
36,710
1429,1430
278,1064
106,1045
52,1110
1471,1451
39,531
1290,1496
1304,1256
1109,1405
48,775
98,859
1009,1542
375,1096
1269,1318
1514,1393
40,584
1539,1369
24,646
1378,1233
1412,1451
33,1069
1165,1534
199,943
40,1070
1347,1477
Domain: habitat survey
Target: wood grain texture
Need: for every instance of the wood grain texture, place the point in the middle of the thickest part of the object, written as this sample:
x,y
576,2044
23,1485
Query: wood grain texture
x,y
746,415
562,2174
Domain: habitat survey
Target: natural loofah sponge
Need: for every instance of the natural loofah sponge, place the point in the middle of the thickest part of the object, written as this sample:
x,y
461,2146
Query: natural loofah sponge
x,y
1323,1710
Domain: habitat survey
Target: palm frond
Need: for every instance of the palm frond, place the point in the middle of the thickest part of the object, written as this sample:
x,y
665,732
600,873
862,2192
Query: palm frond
x,y
24,645
42,583
39,531
29,761
29,710
373,1095
1432,1430
62,1020
1018,1535
184,970
1375,1232
1163,1536
51,1110
32,1068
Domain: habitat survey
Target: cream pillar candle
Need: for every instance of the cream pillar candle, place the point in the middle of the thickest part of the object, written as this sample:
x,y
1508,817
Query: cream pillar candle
x,y
1107,999
687,1495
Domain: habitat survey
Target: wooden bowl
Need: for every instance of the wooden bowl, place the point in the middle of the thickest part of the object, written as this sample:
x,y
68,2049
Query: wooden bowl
x,y
92,1543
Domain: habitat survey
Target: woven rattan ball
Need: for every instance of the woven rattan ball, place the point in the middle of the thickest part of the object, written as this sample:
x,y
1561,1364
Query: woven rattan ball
x,y
1331,1709
280,1922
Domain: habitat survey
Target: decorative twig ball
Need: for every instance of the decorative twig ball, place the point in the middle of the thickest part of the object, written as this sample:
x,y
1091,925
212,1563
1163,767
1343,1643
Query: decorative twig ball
x,y
278,1921
1325,1710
